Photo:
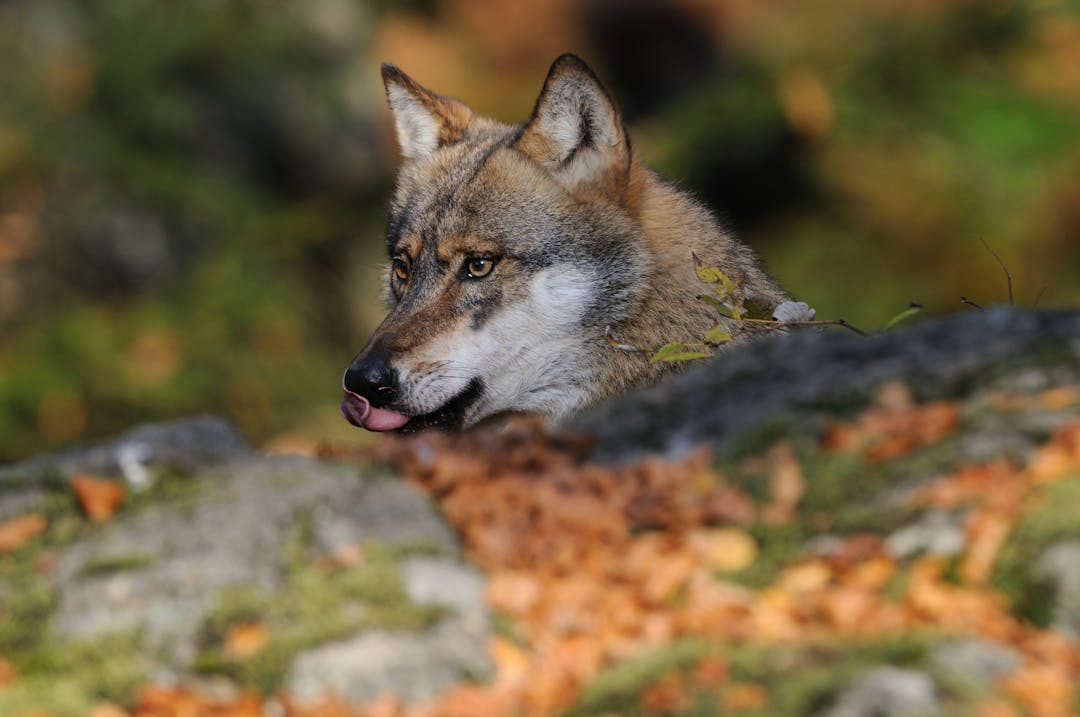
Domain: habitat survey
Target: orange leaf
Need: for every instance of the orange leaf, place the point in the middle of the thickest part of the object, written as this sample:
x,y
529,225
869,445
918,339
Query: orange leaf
x,y
107,709
1045,691
710,672
987,531
245,639
665,695
99,498
510,660
16,532
786,484
388,705
514,592
743,697
7,672
727,550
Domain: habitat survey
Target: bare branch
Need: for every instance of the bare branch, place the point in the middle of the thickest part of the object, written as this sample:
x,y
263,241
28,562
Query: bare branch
x,y
1039,296
1008,276
969,302
818,322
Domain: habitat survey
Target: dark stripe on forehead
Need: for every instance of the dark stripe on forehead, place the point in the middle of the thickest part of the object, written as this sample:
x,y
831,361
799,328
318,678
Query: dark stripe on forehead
x,y
434,200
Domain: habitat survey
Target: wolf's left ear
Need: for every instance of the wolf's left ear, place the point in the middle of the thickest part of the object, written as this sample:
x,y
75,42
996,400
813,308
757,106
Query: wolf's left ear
x,y
575,130
424,120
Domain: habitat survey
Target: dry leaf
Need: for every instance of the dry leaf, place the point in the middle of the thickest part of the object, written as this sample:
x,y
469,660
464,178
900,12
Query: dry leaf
x,y
665,695
99,498
245,639
725,550
786,484
107,709
16,532
743,697
7,672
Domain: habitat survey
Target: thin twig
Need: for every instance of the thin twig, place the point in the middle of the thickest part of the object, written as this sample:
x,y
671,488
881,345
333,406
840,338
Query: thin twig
x,y
818,322
969,302
1008,276
1038,297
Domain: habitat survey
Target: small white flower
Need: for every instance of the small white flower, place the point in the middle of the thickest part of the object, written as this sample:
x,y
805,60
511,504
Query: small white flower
x,y
794,311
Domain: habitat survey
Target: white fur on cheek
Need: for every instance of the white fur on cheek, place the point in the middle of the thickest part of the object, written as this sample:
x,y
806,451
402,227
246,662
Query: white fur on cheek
x,y
529,354
417,129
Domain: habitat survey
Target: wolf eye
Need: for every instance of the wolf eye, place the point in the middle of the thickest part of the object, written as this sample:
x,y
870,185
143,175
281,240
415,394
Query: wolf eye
x,y
401,268
477,267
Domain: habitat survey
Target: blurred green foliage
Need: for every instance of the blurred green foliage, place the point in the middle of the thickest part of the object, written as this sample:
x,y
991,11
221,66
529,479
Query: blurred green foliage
x,y
191,194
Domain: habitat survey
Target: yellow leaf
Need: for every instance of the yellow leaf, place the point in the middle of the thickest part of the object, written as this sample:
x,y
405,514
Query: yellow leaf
x,y
726,550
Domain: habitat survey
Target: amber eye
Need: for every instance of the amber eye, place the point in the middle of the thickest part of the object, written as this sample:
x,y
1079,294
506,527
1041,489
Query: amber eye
x,y
477,267
401,267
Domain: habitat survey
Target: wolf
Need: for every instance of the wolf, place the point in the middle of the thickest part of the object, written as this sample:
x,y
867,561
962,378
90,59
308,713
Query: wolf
x,y
525,260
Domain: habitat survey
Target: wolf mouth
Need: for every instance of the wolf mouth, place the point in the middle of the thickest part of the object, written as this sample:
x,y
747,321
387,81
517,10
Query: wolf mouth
x,y
448,417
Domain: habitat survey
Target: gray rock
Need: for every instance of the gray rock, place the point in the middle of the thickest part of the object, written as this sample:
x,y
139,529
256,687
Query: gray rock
x,y
721,400
1059,567
885,692
976,661
188,444
232,533
937,532
414,666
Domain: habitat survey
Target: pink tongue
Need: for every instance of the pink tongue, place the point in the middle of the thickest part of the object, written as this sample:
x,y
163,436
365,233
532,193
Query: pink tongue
x,y
359,412
379,419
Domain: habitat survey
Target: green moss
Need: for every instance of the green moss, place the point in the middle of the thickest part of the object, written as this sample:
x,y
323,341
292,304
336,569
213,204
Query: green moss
x,y
316,604
109,564
69,678
1054,517
799,681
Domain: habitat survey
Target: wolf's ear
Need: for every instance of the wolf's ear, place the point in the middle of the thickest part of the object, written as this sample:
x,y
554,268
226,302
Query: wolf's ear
x,y
575,130
424,120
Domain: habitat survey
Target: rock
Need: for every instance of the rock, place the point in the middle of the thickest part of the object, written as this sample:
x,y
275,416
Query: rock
x,y
187,444
937,532
976,661
1059,567
414,666
885,692
230,533
722,400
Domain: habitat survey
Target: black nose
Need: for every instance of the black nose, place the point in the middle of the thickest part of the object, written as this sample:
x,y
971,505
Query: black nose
x,y
372,377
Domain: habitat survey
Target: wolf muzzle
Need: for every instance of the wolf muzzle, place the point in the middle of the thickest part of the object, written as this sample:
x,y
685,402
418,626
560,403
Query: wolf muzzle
x,y
370,384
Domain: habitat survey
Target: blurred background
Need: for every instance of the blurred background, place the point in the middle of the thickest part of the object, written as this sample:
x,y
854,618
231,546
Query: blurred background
x,y
192,194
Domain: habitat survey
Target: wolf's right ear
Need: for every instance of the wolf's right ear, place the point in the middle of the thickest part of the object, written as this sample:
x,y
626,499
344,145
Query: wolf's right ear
x,y
424,120
575,130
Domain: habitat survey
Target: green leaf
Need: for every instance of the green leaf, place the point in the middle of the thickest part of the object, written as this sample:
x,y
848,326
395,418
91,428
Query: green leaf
x,y
707,272
905,314
678,351
713,275
758,309
717,335
724,308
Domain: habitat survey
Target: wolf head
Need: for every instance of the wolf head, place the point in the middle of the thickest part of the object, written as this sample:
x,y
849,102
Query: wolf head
x,y
511,250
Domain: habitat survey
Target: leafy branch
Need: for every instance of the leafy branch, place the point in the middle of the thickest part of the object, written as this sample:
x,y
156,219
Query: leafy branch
x,y
728,304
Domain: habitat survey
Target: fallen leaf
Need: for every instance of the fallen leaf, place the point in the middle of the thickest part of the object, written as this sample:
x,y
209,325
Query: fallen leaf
x,y
986,534
786,484
665,695
743,697
16,532
107,709
726,550
709,672
245,639
98,497
388,705
7,672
